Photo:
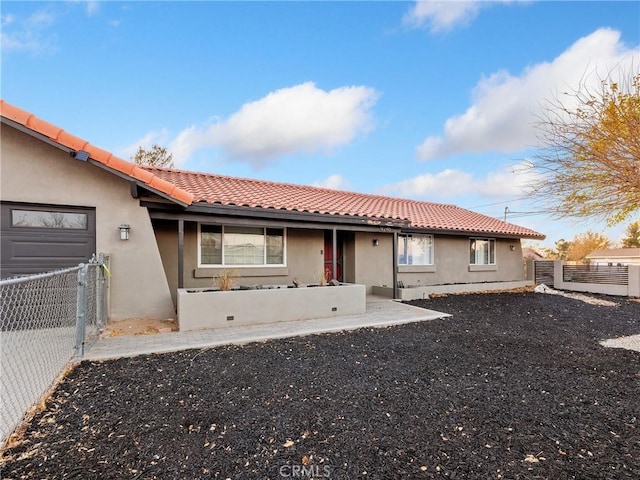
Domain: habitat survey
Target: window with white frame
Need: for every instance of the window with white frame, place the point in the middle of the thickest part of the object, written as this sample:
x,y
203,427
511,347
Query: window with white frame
x,y
415,249
482,251
241,246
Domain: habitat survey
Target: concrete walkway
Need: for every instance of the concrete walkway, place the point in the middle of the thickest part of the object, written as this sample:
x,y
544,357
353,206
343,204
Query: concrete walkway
x,y
381,312
631,342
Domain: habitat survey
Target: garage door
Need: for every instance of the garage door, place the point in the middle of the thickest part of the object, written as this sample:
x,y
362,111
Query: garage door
x,y
40,238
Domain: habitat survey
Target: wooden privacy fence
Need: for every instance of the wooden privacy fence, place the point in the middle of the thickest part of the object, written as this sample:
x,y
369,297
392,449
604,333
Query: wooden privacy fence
x,y
621,280
600,274
544,272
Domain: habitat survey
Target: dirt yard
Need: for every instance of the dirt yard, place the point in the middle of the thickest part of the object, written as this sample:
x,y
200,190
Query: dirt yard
x,y
138,326
513,386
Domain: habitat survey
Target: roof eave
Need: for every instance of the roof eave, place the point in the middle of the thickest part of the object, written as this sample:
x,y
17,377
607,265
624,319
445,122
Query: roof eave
x,y
49,141
238,210
467,232
137,182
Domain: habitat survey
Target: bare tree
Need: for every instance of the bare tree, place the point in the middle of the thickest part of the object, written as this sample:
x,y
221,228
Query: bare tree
x,y
589,163
156,156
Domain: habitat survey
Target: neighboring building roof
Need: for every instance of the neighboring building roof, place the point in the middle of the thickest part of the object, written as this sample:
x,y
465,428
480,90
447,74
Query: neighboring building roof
x,y
223,190
530,253
186,187
615,252
102,157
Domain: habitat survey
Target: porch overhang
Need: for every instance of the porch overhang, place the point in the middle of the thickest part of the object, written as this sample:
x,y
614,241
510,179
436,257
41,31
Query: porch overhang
x,y
239,215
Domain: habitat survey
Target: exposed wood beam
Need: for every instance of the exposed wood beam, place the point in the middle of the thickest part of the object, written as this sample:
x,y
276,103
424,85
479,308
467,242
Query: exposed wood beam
x,y
267,222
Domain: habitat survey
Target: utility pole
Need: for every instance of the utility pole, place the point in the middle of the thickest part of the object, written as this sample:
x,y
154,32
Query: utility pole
x,y
506,210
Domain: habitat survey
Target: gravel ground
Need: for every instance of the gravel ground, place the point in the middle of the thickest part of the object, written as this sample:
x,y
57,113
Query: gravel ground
x,y
514,386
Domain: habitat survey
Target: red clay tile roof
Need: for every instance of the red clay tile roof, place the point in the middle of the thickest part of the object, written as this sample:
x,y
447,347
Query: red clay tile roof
x,y
101,156
188,187
219,189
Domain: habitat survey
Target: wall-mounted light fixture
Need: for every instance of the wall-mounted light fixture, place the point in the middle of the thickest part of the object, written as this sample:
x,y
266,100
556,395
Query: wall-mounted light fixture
x,y
80,155
375,242
512,248
124,232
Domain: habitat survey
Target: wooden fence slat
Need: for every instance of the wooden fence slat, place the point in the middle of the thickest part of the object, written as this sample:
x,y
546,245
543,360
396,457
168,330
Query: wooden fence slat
x,y
543,272
601,274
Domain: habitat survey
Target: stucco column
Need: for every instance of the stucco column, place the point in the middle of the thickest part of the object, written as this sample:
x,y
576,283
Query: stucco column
x,y
558,282
634,280
531,270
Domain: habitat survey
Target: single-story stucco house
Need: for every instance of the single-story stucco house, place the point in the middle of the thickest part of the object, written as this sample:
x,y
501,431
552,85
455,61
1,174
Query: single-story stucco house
x,y
615,256
64,199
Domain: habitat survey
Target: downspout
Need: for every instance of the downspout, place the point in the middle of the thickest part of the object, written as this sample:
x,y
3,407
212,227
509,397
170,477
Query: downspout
x,y
180,253
394,266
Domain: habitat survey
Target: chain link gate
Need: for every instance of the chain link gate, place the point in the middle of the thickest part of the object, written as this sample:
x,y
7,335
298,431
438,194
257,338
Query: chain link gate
x,y
46,320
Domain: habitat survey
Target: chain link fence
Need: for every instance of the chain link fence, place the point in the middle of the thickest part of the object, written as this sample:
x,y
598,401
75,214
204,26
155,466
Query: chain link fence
x,y
46,321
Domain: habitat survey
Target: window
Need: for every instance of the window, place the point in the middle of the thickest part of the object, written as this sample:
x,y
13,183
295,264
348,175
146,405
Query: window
x,y
48,219
241,246
415,249
482,251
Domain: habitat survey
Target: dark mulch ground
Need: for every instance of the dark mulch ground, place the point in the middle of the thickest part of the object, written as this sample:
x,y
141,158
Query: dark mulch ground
x,y
514,386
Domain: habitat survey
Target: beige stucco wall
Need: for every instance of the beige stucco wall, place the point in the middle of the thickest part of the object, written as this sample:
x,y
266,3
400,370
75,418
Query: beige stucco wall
x,y
451,264
304,262
35,172
348,260
364,263
373,264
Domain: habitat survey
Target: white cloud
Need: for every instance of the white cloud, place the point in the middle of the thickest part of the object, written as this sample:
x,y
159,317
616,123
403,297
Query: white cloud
x,y
32,34
446,184
441,15
450,183
505,107
334,182
93,7
190,140
28,34
159,138
40,19
293,120
7,20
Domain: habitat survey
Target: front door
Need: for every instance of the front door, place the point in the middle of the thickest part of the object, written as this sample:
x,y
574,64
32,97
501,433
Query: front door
x,y
328,255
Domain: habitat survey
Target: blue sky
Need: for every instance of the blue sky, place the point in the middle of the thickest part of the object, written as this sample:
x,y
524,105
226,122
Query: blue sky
x,y
427,100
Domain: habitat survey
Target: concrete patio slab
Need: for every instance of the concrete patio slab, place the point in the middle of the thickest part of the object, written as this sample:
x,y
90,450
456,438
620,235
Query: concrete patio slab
x,y
381,312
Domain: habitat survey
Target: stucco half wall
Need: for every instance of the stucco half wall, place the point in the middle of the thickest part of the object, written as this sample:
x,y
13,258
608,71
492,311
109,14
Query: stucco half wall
x,y
35,172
